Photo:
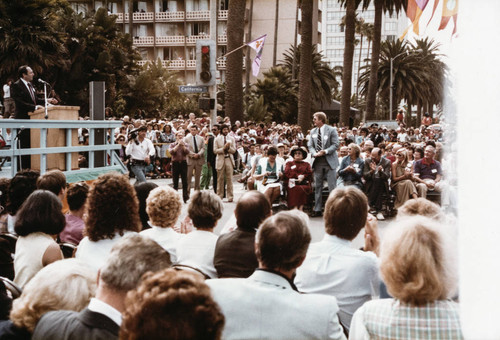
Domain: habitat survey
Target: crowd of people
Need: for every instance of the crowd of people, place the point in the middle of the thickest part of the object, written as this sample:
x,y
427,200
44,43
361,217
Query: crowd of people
x,y
179,280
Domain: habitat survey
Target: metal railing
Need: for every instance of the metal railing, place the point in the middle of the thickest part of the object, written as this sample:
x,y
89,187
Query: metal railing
x,y
112,162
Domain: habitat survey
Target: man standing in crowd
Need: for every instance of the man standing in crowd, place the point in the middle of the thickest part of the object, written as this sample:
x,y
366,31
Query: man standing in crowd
x,y
179,152
235,251
376,172
24,95
196,156
8,102
224,148
349,274
211,157
323,144
140,149
128,260
267,305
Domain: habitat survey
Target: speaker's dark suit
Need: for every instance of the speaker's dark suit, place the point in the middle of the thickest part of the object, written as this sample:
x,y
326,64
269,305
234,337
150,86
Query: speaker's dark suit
x,y
85,325
24,104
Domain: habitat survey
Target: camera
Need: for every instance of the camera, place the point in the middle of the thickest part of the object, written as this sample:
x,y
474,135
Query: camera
x,y
132,135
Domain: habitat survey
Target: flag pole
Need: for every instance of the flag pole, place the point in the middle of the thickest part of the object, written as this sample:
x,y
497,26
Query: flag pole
x,y
236,49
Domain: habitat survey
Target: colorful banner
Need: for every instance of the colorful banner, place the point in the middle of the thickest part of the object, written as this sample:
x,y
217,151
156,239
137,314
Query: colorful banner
x,y
258,46
450,9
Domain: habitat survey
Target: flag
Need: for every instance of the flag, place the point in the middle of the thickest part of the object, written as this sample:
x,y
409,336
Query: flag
x,y
450,9
414,12
258,46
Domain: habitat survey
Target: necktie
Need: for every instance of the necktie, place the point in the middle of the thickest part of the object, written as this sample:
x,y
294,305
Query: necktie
x,y
195,145
32,92
319,141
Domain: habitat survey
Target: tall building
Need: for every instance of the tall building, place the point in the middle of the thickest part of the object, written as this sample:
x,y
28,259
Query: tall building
x,y
168,29
333,38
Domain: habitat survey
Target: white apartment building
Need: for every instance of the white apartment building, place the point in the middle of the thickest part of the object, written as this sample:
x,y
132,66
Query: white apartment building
x,y
169,29
333,37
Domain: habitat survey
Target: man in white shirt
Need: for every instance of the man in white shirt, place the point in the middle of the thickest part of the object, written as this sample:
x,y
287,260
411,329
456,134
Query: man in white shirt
x,y
140,150
129,259
332,266
8,102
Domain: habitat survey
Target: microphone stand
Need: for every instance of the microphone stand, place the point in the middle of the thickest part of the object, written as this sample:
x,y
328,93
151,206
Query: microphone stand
x,y
45,99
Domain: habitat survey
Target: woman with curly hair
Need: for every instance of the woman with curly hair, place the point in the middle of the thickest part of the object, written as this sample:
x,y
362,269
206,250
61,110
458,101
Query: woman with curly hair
x,y
112,212
163,207
173,305
63,285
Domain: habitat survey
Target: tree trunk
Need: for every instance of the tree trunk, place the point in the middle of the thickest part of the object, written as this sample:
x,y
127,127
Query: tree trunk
x,y
373,83
234,86
419,113
345,99
408,113
276,22
305,69
359,68
131,18
296,33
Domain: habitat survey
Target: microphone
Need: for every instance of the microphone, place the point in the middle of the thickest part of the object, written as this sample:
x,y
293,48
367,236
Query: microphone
x,y
42,81
21,129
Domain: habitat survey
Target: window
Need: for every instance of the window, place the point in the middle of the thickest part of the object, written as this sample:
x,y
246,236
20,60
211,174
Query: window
x,y
390,26
335,40
334,15
329,53
391,38
331,3
332,28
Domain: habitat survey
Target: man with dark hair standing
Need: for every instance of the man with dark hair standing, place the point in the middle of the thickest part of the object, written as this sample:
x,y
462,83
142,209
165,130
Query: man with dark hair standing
x,y
323,143
224,148
278,310
235,251
332,266
196,157
25,99
140,150
211,156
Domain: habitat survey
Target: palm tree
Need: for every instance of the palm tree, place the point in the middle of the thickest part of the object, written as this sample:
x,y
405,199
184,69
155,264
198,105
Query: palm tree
x,y
381,6
323,77
305,66
234,87
350,24
28,36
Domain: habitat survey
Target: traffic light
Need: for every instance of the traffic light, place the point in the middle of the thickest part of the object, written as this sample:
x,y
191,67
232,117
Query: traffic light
x,y
205,62
205,74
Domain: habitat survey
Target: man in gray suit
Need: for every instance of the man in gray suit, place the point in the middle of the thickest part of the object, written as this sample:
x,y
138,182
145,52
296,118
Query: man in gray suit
x,y
196,157
128,260
267,305
323,143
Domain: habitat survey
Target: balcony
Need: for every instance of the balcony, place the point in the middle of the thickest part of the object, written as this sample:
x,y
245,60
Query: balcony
x,y
223,15
198,15
191,64
191,40
222,39
144,41
169,16
170,40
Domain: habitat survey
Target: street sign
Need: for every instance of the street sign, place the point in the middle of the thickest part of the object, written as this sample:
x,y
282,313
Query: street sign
x,y
193,89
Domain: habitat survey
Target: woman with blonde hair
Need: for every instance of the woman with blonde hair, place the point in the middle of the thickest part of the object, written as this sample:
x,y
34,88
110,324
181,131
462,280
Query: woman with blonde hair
x,y
402,179
418,265
63,285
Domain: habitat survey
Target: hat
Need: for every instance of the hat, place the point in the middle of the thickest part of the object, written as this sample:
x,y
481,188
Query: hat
x,y
301,149
280,145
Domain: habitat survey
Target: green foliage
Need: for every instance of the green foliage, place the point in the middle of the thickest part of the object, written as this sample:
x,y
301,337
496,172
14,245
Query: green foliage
x,y
257,110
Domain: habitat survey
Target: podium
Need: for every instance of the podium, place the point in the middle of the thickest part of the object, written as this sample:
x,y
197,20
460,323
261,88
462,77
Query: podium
x,y
55,137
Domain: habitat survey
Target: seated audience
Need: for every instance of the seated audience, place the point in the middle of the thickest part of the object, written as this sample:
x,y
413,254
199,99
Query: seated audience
x,y
268,175
376,173
21,186
420,273
112,212
53,181
197,248
38,222
332,266
142,190
267,305
127,262
76,196
235,251
172,305
402,179
67,284
298,174
351,168
164,206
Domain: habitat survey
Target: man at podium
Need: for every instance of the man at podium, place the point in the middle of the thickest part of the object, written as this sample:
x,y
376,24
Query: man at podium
x,y
24,96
